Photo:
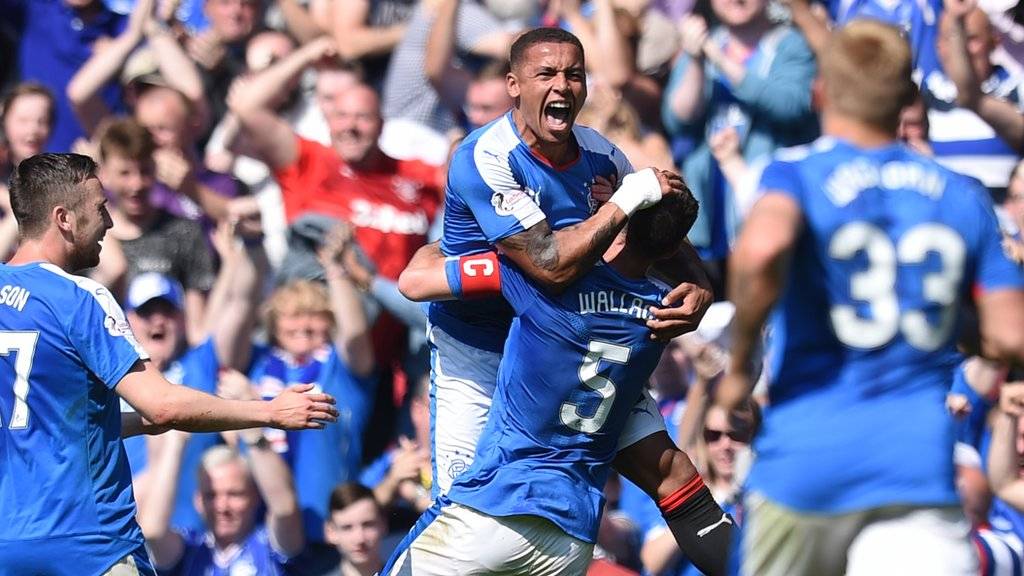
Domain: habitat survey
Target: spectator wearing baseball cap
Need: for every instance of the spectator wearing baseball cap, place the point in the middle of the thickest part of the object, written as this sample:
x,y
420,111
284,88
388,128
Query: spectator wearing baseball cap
x,y
154,303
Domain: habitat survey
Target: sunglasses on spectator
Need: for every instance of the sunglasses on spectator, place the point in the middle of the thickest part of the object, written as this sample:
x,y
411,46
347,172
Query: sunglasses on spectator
x,y
712,436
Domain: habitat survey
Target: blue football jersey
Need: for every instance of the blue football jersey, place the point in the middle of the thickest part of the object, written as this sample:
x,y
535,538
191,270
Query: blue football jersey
x,y
65,484
574,368
498,187
861,343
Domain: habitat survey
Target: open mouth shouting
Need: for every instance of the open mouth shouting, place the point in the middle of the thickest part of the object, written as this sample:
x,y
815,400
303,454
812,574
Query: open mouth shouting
x,y
558,116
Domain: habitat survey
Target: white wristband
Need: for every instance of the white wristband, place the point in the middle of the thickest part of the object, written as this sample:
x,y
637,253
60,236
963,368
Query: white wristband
x,y
638,190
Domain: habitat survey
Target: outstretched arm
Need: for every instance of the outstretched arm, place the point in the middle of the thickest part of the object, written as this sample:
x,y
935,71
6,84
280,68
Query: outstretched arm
x,y
183,408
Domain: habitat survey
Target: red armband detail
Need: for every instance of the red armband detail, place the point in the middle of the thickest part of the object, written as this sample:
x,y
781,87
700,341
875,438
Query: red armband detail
x,y
480,275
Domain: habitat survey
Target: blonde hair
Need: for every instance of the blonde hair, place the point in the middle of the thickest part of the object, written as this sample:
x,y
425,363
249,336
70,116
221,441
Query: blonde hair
x,y
866,70
219,455
297,297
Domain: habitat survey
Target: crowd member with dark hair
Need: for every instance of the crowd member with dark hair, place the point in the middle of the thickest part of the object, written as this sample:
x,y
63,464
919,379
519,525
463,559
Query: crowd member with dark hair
x,y
73,355
355,525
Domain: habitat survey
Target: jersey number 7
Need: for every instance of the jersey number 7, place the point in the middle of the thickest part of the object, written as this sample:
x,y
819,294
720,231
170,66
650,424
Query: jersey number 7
x,y
23,345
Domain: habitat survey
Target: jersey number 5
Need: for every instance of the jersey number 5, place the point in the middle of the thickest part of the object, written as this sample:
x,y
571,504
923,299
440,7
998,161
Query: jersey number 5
x,y
23,345
877,284
570,412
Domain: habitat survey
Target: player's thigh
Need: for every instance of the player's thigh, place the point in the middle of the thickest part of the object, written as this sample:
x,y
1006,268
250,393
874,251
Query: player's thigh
x,y
778,541
934,541
462,385
460,540
645,419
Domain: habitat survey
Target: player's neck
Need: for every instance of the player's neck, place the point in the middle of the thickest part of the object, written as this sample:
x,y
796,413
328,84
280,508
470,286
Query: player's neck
x,y
856,132
554,153
41,250
625,261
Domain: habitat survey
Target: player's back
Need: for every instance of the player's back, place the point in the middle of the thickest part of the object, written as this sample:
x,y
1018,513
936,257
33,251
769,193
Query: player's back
x,y
65,487
574,368
862,344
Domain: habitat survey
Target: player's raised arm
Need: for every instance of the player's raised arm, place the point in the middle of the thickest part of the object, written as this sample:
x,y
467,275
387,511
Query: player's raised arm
x,y
556,258
183,408
757,271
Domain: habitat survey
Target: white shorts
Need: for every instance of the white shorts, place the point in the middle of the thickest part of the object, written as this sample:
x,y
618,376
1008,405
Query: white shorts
x,y
455,539
462,381
897,540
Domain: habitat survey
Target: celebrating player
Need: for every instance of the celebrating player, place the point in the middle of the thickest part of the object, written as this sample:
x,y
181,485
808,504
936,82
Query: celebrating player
x,y
574,367
865,250
67,354
523,183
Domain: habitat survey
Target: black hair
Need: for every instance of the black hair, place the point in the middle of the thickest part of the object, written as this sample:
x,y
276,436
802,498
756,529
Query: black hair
x,y
540,36
660,230
41,182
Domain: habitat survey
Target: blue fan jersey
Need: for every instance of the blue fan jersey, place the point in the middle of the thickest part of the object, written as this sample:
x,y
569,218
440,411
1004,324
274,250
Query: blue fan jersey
x,y
497,188
861,343
574,367
65,484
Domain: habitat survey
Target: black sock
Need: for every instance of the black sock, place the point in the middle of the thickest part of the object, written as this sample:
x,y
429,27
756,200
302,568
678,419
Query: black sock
x,y
701,528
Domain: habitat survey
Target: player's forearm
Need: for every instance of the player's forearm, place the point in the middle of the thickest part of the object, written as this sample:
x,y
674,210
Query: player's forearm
x,y
556,259
424,278
184,408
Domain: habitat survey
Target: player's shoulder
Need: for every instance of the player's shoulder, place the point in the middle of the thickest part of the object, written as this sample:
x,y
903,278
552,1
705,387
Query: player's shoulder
x,y
591,140
80,287
486,154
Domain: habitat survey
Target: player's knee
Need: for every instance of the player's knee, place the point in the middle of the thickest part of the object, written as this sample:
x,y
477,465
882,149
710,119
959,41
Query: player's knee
x,y
677,470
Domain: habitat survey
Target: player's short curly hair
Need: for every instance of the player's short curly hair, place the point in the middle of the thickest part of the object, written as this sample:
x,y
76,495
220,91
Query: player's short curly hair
x,y
659,231
540,36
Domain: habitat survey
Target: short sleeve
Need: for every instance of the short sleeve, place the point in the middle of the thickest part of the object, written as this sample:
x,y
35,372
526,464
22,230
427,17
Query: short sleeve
x,y
516,287
779,176
100,334
484,183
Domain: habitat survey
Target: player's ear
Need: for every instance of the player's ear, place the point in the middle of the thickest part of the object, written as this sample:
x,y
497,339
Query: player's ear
x,y
63,218
512,85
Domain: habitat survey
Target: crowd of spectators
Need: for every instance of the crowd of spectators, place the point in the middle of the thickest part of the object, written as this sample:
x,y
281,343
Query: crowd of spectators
x,y
272,165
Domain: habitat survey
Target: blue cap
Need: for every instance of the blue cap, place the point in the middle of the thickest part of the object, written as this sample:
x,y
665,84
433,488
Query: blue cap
x,y
150,286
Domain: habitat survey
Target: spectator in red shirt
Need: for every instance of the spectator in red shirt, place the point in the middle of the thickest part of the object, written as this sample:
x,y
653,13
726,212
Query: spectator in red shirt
x,y
390,203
